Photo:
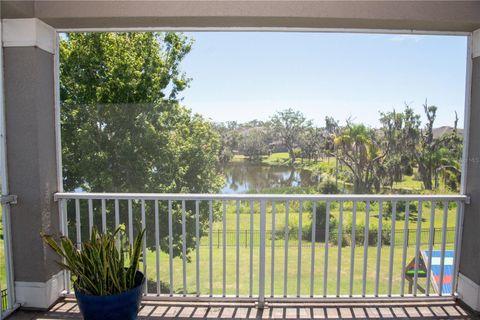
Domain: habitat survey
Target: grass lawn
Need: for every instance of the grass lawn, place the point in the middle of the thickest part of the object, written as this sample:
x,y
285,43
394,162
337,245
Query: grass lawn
x,y
244,253
280,213
278,158
244,266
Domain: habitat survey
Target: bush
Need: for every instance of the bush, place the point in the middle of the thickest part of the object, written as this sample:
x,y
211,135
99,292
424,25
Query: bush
x,y
320,221
401,207
346,238
372,236
328,186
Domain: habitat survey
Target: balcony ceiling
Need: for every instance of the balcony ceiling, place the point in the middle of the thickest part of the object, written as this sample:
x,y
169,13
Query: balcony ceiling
x,y
462,16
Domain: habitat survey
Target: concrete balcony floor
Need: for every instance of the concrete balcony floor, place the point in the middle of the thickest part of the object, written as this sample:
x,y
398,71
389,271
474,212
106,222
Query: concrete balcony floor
x,y
67,309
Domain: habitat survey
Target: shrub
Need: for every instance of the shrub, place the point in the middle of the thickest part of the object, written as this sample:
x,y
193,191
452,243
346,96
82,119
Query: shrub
x,y
372,236
401,207
346,238
328,186
320,221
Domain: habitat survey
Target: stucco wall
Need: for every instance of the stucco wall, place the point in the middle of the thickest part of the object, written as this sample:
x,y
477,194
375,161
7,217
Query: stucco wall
x,y
29,102
420,15
470,257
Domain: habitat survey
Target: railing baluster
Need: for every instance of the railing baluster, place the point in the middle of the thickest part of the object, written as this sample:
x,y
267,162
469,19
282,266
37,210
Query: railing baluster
x,y
285,265
392,247
272,266
157,248
250,293
184,250
144,258
352,249
327,238
417,248
404,252
77,224
312,261
224,257
130,222
431,239
379,246
261,271
210,245
365,248
457,247
442,252
237,260
197,247
339,247
65,220
299,256
104,216
170,245
117,219
90,217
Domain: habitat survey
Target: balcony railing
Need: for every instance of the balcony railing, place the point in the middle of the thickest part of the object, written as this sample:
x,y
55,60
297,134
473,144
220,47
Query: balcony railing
x,y
283,246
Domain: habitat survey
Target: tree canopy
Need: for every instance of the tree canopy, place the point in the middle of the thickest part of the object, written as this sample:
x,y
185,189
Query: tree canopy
x,y
289,125
123,128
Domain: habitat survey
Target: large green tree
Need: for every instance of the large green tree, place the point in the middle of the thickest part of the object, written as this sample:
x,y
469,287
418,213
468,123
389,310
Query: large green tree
x,y
288,125
400,131
123,128
253,143
437,155
360,150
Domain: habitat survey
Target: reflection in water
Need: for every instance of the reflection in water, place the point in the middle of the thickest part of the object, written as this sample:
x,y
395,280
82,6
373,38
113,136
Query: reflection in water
x,y
244,176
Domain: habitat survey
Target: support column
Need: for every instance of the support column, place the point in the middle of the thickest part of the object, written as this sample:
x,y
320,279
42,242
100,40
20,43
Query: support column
x,y
29,81
469,277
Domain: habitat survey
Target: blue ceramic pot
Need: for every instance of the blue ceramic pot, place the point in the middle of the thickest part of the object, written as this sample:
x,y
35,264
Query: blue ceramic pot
x,y
123,306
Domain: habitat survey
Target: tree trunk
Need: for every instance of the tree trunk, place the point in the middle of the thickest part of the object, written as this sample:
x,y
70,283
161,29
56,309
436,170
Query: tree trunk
x,y
426,176
292,155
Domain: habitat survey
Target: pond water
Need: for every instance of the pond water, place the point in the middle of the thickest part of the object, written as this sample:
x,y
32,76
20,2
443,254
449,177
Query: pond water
x,y
245,176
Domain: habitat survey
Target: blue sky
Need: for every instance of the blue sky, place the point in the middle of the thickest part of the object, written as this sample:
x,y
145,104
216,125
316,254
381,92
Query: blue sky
x,y
242,76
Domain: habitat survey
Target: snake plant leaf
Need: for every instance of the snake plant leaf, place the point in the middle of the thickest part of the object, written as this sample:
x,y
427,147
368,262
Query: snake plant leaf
x,y
99,266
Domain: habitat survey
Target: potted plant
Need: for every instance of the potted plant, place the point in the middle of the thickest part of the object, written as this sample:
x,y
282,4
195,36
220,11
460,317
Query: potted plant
x,y
104,273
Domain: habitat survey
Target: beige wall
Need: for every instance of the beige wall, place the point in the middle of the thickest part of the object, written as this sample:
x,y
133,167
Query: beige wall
x,y
419,15
29,104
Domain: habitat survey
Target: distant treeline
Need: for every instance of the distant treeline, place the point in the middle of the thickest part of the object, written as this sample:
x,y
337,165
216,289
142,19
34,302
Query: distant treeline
x,y
374,158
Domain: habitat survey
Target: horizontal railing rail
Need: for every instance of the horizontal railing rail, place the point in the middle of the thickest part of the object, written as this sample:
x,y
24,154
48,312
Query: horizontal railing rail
x,y
272,246
258,197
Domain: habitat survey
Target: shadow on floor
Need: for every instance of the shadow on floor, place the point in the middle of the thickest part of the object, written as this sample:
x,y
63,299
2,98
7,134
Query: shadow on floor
x,y
151,310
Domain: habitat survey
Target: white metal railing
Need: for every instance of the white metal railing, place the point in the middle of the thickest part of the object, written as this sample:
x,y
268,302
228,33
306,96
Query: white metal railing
x,y
324,266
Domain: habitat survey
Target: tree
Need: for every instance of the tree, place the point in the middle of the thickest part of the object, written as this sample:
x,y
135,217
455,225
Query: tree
x,y
311,142
229,140
451,162
426,154
400,132
360,150
434,155
123,129
332,129
288,125
253,143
